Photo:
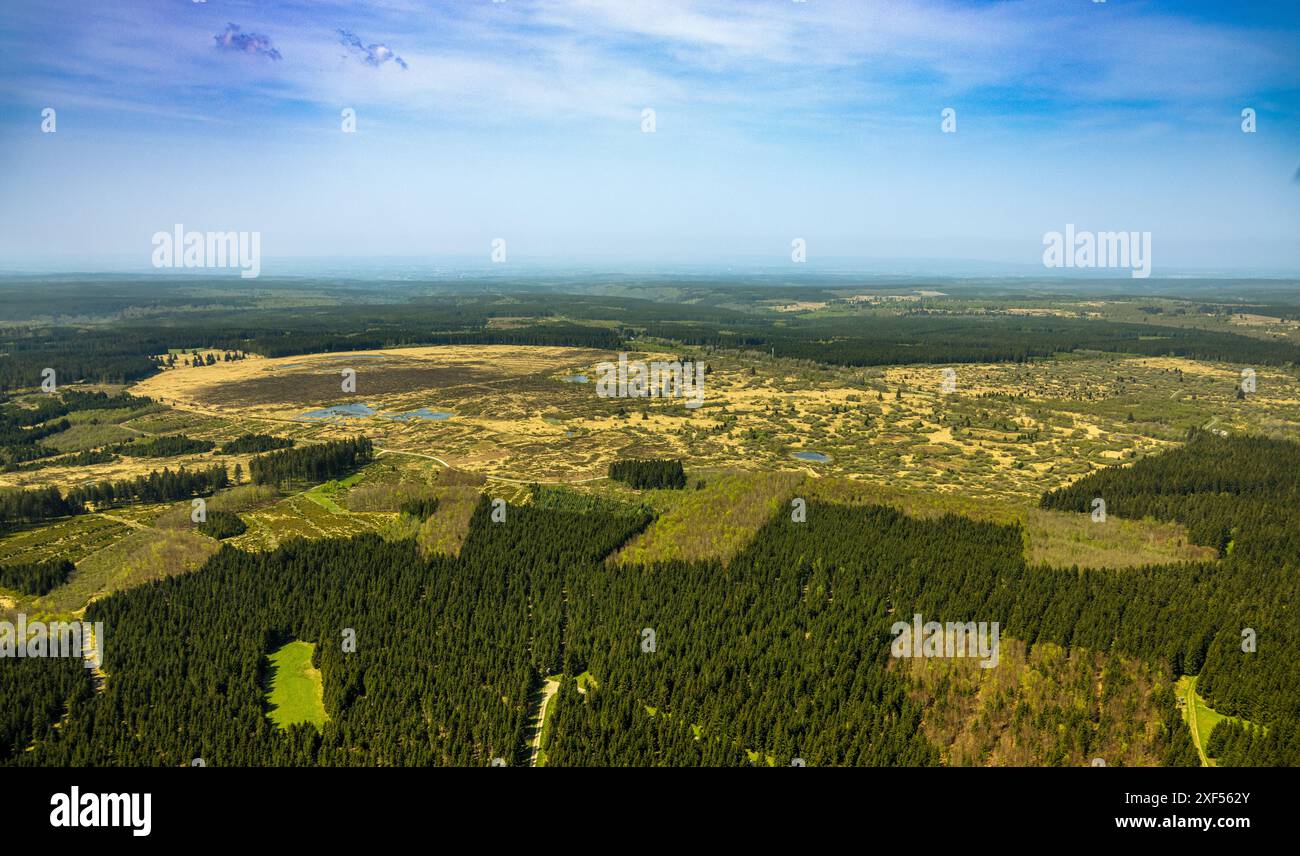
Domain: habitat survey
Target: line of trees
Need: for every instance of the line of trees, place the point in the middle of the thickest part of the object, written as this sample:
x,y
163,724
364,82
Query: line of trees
x,y
910,339
249,444
76,355
85,458
164,447
36,578
419,507
311,463
223,524
158,486
643,474
33,505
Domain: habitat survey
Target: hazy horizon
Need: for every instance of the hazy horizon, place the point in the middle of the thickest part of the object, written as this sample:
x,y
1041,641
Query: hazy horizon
x,y
524,267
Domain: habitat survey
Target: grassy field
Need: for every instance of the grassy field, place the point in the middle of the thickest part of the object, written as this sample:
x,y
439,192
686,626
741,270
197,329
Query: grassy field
x,y
294,691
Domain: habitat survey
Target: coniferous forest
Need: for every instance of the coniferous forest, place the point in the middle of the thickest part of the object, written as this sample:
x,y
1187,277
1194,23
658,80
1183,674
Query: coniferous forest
x,y
310,463
254,443
643,474
781,653
35,577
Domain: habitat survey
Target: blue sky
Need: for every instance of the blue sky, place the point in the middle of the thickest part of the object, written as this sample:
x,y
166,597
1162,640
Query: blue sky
x,y
774,120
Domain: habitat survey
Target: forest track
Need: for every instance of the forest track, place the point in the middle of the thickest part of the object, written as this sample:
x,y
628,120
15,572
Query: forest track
x,y
539,720
1192,701
381,451
127,522
94,657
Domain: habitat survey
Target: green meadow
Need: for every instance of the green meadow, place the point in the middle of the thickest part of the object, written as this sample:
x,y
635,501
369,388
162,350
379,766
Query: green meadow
x,y
294,691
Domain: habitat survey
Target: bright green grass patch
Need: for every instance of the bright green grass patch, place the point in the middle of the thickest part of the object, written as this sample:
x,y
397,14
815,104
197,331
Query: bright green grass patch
x,y
329,494
326,496
294,690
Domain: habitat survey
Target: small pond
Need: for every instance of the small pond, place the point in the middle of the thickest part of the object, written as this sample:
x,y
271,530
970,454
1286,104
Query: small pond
x,y
343,410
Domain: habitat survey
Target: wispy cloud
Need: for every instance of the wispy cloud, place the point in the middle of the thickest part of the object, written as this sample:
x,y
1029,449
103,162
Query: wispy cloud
x,y
235,39
372,54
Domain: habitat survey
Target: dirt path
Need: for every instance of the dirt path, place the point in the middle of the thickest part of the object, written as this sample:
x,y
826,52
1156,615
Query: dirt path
x,y
130,524
1192,701
539,721
381,451
94,658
